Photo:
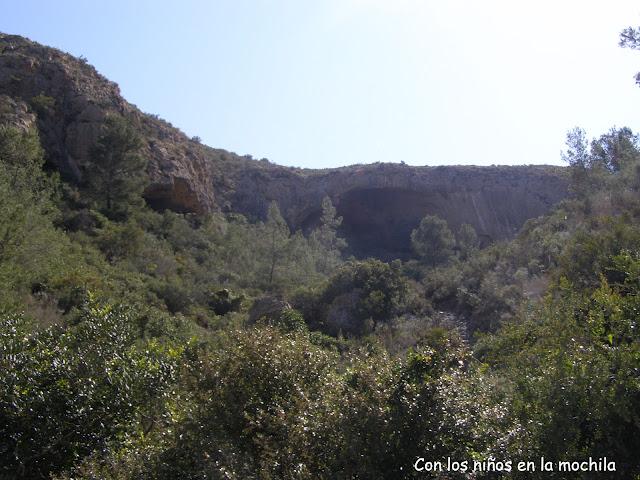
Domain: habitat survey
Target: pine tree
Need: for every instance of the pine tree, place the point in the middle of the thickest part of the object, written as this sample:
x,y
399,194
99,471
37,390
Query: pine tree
x,y
326,239
630,38
277,239
432,241
466,241
116,177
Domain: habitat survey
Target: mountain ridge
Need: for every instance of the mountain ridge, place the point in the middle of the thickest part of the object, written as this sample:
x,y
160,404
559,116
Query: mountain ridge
x,y
381,203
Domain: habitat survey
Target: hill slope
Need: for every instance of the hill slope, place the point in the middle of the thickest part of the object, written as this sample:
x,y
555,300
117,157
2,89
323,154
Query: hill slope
x,y
380,203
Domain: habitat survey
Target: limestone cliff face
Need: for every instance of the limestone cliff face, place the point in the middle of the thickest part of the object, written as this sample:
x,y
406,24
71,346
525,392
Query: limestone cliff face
x,y
380,203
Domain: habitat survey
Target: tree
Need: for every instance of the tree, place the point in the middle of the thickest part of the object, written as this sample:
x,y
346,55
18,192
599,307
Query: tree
x,y
432,241
573,360
116,177
26,214
577,153
261,403
579,159
609,160
20,165
616,149
630,38
22,159
360,291
466,240
276,235
326,238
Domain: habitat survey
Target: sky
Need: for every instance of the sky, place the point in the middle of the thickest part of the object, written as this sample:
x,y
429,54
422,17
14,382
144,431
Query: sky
x,y
327,83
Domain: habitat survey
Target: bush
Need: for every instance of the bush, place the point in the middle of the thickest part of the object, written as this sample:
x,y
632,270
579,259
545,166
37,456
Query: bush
x,y
432,241
362,291
260,410
65,392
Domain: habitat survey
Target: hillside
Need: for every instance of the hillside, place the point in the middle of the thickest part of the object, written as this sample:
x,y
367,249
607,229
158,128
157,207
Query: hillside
x,y
380,203
170,311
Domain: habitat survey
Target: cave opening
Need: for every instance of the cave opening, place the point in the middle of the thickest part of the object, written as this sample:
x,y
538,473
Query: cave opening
x,y
377,222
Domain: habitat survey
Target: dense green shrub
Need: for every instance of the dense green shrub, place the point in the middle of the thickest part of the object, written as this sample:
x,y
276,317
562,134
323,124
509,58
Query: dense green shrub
x,y
432,241
260,410
65,392
359,295
573,364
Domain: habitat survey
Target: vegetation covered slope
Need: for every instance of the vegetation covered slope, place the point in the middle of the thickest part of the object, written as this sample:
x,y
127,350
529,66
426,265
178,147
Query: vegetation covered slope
x,y
131,345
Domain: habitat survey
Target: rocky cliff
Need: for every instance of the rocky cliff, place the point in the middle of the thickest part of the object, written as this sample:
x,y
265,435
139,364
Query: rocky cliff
x,y
380,203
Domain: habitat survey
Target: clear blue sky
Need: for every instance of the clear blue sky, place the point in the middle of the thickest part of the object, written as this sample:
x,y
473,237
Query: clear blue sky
x,y
333,82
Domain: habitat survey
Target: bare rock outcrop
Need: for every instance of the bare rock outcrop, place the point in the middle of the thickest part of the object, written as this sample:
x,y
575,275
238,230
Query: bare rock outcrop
x,y
16,113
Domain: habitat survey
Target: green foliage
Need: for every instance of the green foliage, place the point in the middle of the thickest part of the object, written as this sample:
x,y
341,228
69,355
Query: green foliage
x,y
573,363
432,241
590,254
119,240
259,405
43,104
630,38
358,296
224,301
326,238
616,150
233,253
266,403
276,235
116,176
440,411
605,170
26,214
483,290
288,320
65,392
466,241
22,160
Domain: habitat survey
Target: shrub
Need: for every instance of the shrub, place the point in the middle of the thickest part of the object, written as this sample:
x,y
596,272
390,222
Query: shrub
x,y
65,392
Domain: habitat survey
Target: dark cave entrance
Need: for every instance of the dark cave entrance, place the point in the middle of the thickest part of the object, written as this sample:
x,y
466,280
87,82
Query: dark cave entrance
x,y
378,221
